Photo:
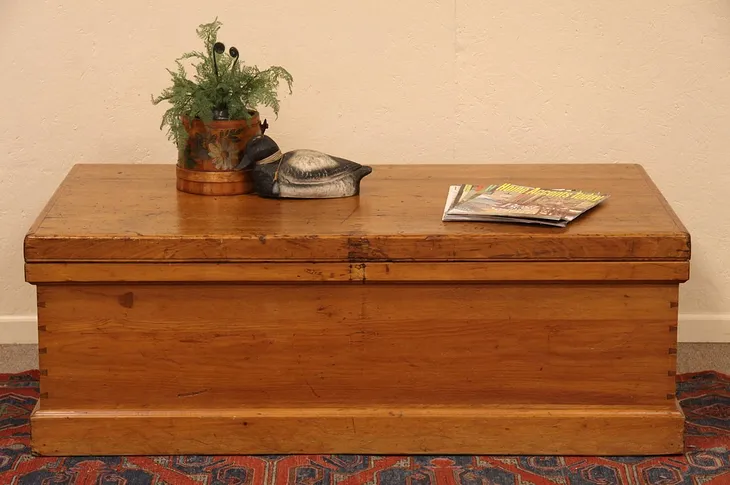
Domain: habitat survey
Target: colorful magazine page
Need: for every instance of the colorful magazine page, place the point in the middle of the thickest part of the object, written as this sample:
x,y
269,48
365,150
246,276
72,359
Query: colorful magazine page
x,y
522,201
518,203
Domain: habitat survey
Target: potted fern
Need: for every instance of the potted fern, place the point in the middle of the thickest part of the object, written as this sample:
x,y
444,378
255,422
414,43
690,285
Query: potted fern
x,y
212,116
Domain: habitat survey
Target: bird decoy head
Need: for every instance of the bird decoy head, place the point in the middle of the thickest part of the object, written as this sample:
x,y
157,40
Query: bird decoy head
x,y
260,149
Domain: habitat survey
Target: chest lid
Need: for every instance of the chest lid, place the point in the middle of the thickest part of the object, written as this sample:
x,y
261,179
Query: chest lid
x,y
133,213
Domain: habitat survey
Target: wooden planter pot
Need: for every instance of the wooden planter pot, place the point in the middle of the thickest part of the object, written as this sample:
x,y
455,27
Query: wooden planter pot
x,y
206,165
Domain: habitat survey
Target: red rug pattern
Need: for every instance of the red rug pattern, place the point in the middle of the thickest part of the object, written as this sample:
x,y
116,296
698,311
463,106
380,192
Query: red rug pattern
x,y
705,398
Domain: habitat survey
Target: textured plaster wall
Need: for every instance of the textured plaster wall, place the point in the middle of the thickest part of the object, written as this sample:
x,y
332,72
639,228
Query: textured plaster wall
x,y
407,81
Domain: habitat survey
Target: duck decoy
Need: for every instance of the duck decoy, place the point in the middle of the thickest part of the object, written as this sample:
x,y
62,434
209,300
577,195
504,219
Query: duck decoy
x,y
299,174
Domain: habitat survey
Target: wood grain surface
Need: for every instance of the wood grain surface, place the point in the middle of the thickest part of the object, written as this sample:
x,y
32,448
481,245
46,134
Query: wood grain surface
x,y
175,323
218,345
593,430
456,272
134,213
218,183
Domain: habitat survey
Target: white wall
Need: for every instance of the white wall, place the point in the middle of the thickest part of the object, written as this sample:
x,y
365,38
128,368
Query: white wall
x,y
405,82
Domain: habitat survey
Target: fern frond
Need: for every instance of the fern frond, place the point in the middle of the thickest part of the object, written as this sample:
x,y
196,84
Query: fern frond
x,y
238,88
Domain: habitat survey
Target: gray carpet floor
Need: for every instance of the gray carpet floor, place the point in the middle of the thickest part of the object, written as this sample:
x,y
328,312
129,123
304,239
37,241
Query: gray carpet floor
x,y
691,357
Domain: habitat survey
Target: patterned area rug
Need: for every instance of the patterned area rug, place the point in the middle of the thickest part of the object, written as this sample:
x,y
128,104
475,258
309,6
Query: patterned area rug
x,y
705,398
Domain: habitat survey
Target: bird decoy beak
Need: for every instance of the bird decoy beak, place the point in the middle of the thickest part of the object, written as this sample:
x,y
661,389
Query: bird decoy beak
x,y
245,162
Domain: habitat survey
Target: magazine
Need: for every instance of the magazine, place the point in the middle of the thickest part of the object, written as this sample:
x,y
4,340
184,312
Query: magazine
x,y
508,202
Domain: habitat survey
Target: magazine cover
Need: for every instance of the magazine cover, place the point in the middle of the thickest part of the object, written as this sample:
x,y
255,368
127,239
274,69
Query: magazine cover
x,y
509,202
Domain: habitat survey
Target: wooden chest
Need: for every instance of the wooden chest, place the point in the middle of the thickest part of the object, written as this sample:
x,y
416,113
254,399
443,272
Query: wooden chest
x,y
171,323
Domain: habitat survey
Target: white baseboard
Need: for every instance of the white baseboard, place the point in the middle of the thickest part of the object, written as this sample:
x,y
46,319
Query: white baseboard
x,y
704,327
18,329
707,327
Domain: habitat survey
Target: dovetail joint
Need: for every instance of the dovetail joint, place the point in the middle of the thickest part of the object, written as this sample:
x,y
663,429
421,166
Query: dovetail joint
x,y
43,350
44,395
671,373
670,396
44,372
672,351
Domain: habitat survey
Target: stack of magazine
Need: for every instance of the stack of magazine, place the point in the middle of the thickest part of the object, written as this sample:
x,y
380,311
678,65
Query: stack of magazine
x,y
507,202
